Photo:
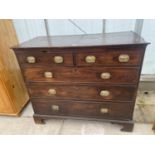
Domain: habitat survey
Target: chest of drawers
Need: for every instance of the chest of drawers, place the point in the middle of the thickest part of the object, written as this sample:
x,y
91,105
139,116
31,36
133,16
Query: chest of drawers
x,y
92,77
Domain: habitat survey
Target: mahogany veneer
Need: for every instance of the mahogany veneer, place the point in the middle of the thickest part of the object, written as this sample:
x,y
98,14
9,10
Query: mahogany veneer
x,y
92,77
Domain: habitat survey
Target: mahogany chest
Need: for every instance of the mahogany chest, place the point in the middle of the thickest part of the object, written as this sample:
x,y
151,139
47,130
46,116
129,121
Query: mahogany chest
x,y
92,77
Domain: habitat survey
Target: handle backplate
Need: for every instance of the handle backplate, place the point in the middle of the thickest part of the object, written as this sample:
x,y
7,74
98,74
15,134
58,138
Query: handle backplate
x,y
90,59
51,91
104,110
58,59
124,58
31,59
55,108
104,93
105,75
48,74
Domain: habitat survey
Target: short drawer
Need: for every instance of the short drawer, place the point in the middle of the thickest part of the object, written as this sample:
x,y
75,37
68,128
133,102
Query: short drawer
x,y
105,75
83,109
44,57
82,92
109,57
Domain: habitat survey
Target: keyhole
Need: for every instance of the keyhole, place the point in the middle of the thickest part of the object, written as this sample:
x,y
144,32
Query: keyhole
x,y
44,51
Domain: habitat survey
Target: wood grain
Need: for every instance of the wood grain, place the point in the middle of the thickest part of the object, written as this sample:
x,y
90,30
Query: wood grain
x,y
82,75
80,92
83,109
74,87
110,56
13,94
88,40
45,57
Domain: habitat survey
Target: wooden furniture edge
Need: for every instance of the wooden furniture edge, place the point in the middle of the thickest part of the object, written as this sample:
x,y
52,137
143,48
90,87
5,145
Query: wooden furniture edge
x,y
128,125
19,112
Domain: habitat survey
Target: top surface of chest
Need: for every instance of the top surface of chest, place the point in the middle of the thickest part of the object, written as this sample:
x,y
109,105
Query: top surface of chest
x,y
88,40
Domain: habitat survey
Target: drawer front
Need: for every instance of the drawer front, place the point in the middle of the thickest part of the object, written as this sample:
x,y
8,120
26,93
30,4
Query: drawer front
x,y
40,58
83,109
107,75
110,57
96,93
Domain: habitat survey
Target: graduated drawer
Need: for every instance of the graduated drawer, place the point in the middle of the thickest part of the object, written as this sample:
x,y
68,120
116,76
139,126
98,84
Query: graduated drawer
x,y
108,75
82,92
44,57
83,109
110,57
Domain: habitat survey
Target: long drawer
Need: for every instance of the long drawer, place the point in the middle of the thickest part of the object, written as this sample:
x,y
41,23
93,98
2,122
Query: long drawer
x,y
83,109
106,75
82,92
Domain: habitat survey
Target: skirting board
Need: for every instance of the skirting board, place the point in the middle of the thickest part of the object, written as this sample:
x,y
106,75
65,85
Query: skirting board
x,y
147,82
147,77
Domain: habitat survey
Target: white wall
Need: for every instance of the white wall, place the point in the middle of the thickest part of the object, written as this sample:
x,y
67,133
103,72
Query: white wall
x,y
29,28
117,25
65,27
148,32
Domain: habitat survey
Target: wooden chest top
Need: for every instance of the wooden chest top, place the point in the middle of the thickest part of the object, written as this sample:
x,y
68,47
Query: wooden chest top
x,y
86,40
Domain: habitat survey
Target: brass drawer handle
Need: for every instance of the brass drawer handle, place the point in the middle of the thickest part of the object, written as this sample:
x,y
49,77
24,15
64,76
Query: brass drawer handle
x,y
124,58
52,91
104,110
104,93
105,75
90,59
48,74
55,107
31,59
58,59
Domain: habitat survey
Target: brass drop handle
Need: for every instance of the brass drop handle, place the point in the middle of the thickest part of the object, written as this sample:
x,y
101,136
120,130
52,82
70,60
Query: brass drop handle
x,y
58,59
124,58
90,59
52,91
105,75
31,59
104,110
104,93
55,108
48,74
